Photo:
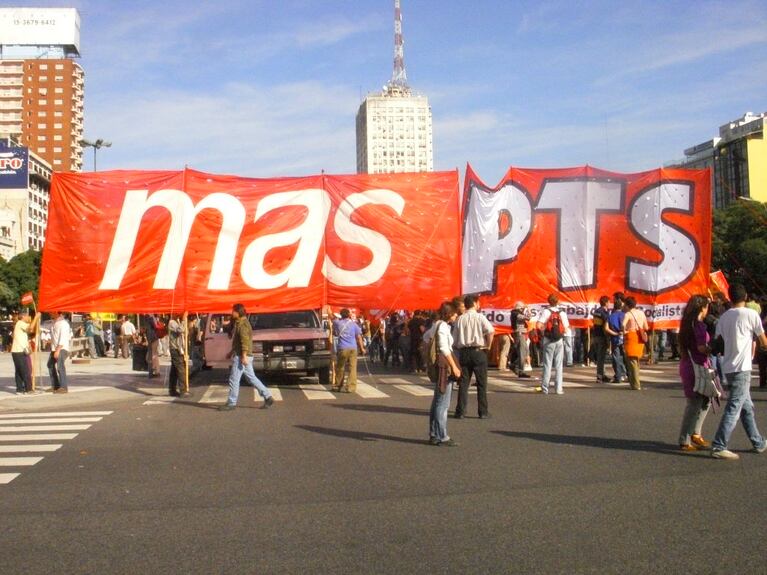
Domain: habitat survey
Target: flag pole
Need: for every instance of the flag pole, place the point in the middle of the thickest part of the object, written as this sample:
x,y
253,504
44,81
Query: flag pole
x,y
187,351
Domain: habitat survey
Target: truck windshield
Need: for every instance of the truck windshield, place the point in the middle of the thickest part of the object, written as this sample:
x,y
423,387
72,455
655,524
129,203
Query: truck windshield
x,y
283,319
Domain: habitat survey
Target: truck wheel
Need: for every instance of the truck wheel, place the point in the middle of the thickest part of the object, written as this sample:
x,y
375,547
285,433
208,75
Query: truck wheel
x,y
323,374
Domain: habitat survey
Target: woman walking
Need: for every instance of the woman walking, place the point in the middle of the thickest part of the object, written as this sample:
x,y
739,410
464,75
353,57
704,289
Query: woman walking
x,y
693,347
448,371
633,322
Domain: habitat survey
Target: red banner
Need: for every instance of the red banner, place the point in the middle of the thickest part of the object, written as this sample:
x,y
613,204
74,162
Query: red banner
x,y
584,233
129,241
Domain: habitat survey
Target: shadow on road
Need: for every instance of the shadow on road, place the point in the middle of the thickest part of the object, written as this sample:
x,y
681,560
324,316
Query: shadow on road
x,y
359,435
383,409
603,442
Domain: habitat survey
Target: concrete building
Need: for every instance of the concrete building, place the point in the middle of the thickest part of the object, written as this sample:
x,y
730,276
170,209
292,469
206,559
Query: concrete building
x,y
737,158
41,86
394,126
25,183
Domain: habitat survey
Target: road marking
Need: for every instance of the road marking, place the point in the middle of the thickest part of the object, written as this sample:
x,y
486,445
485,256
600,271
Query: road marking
x,y
315,391
6,478
215,394
38,437
154,391
368,391
51,420
276,394
513,385
29,448
417,390
394,380
58,414
161,400
19,461
4,428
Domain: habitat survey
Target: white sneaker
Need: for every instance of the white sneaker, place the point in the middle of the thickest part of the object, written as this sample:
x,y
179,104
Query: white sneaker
x,y
761,449
725,454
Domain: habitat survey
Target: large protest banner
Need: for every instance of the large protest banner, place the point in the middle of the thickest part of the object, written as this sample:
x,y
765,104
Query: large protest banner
x,y
583,233
130,241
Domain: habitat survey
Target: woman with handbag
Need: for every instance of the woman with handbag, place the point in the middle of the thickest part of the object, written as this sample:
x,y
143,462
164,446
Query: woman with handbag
x,y
693,346
448,371
635,338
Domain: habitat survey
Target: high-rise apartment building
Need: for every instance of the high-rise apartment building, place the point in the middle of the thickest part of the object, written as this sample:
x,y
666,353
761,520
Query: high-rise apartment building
x,y
394,127
41,86
737,159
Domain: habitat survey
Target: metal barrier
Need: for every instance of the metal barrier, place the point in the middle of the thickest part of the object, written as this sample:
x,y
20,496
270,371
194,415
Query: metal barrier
x,y
78,348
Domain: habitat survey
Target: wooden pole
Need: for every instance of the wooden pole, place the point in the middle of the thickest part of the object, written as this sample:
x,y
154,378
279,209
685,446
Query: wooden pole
x,y
34,326
187,352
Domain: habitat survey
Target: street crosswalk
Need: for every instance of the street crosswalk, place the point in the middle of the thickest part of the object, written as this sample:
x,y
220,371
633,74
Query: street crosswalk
x,y
21,435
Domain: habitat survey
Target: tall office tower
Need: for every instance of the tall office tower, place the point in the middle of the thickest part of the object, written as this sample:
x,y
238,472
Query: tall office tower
x,y
394,127
41,84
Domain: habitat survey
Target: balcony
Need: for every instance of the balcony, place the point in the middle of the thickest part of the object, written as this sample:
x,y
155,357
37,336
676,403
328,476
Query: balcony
x,y
17,69
18,93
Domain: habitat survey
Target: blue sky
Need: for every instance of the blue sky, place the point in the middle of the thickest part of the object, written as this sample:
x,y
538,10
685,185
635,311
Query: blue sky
x,y
265,88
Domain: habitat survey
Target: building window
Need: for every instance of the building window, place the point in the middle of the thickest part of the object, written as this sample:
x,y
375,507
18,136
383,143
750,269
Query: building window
x,y
56,161
59,66
59,90
59,78
58,102
41,150
57,126
57,137
41,138
42,102
42,126
57,150
43,66
58,113
41,113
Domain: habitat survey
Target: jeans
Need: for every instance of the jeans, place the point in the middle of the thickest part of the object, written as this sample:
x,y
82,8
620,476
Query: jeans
x,y
235,375
438,413
21,369
739,406
177,375
153,357
619,366
523,351
472,360
599,345
92,346
632,365
659,346
553,358
694,414
343,357
58,370
579,355
568,340
503,357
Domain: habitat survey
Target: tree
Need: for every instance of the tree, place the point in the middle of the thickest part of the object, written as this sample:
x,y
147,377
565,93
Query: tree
x,y
19,275
740,244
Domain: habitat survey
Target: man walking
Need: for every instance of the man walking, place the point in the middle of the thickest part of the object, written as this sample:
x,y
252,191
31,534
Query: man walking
x,y
61,336
176,343
738,327
599,336
472,337
242,362
127,330
349,337
553,324
614,329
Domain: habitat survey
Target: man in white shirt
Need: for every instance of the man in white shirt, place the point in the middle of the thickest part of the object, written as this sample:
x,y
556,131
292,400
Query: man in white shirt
x,y
473,336
554,325
61,336
738,327
22,329
127,331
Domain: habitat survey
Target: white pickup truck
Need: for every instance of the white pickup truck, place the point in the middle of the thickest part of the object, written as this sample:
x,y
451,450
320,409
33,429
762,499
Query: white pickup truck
x,y
290,341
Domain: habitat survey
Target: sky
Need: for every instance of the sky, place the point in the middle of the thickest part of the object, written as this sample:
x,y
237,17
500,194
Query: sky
x,y
264,88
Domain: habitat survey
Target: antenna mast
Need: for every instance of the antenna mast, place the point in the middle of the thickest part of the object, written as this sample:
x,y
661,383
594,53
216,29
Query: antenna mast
x,y
398,81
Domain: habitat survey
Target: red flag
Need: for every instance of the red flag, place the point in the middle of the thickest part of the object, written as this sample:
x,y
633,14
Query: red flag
x,y
27,298
720,282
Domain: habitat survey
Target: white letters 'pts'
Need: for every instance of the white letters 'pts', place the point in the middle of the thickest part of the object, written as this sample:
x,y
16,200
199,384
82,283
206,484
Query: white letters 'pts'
x,y
680,255
578,204
485,244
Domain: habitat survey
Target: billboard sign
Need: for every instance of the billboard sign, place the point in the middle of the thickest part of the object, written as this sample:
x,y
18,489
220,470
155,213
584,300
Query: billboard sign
x,y
14,168
40,26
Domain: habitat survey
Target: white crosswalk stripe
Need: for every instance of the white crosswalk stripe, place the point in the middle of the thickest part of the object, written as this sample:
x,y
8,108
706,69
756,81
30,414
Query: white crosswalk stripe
x,y
315,391
215,394
15,443
367,391
276,394
418,390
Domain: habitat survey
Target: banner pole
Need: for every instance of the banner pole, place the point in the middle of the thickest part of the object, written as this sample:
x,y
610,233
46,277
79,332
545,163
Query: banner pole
x,y
185,344
588,345
35,324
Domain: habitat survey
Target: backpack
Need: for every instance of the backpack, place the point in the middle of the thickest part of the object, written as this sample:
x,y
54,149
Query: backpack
x,y
432,354
160,329
554,330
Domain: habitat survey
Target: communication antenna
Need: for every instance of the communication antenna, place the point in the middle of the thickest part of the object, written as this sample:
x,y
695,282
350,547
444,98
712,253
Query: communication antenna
x,y
398,81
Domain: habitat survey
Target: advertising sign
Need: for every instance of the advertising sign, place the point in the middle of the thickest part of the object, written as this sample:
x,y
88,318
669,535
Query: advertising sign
x,y
14,168
40,26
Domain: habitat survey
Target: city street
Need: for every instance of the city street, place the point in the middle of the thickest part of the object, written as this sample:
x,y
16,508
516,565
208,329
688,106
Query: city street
x,y
587,482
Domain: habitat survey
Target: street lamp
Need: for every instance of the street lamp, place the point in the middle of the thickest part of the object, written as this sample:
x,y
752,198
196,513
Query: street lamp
x,y
97,145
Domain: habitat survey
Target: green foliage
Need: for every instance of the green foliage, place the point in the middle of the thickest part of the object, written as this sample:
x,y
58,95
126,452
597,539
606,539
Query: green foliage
x,y
740,244
18,276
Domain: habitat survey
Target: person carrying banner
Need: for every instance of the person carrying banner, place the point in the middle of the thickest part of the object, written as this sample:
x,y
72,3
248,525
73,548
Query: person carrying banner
x,y
152,346
738,327
61,337
553,324
242,362
177,375
448,371
349,337
635,329
601,317
614,329
520,315
20,350
473,336
694,345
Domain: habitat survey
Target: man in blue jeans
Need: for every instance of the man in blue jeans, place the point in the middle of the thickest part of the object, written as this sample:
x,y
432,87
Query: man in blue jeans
x,y
242,362
738,326
614,329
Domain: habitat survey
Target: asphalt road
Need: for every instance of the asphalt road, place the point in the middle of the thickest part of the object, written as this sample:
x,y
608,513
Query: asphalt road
x,y
587,482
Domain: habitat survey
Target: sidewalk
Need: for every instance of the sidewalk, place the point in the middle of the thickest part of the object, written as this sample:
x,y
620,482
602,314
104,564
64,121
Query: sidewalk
x,y
102,379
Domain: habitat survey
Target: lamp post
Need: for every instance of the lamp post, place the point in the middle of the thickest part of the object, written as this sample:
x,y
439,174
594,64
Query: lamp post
x,y
97,145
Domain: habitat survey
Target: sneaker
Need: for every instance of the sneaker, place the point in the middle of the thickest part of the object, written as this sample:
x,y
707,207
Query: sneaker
x,y
226,407
560,393
688,447
61,390
761,449
448,443
268,402
700,442
524,375
725,454
433,441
